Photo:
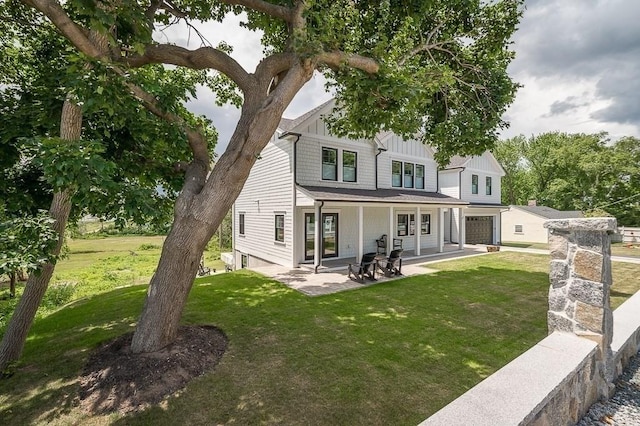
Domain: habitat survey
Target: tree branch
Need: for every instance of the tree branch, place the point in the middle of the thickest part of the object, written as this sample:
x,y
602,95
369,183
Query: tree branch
x,y
338,59
265,7
76,34
201,58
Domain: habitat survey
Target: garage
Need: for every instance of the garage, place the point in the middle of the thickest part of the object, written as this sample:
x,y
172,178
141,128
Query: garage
x,y
479,230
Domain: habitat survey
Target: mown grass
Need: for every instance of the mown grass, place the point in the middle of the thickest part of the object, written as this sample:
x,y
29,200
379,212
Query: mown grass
x,y
617,249
392,353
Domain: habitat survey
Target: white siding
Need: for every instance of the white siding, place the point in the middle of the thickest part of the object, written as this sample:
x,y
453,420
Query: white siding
x,y
309,162
449,185
407,151
480,197
267,192
532,229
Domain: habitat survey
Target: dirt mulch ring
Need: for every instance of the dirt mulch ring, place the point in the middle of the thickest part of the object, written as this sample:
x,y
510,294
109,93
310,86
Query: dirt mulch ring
x,y
114,379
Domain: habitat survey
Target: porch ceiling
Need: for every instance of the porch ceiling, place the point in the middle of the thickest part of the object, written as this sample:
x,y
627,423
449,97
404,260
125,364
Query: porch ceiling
x,y
401,196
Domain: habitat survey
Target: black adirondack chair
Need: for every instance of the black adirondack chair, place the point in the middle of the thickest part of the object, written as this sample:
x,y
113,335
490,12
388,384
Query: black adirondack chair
x,y
393,264
365,269
381,244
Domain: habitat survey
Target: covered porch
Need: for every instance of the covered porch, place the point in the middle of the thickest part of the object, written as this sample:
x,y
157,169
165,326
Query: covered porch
x,y
353,220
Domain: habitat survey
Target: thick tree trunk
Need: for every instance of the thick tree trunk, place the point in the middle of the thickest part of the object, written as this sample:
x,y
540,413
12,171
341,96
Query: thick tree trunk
x,y
199,214
22,318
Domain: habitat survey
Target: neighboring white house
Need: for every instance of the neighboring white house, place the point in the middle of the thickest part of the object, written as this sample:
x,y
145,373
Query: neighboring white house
x,y
476,180
360,189
524,223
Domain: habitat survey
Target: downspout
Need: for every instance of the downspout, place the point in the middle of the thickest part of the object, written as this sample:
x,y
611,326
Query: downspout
x,y
295,186
380,151
459,198
320,229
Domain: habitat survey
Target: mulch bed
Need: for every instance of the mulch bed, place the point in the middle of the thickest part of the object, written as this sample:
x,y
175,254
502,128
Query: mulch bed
x,y
114,379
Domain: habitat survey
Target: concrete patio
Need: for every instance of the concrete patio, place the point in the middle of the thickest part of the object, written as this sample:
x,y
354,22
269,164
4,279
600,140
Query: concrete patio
x,y
333,278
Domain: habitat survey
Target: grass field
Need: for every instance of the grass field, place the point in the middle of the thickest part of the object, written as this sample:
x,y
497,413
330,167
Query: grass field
x,y
96,265
391,353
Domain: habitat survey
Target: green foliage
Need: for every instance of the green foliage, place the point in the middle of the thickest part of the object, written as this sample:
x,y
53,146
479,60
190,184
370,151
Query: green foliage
x,y
76,165
574,172
26,242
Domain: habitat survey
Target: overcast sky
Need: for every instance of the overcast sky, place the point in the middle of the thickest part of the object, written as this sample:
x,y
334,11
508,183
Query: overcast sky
x,y
578,62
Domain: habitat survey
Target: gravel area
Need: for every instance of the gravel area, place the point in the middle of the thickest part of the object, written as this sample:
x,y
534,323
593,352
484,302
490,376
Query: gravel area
x,y
624,407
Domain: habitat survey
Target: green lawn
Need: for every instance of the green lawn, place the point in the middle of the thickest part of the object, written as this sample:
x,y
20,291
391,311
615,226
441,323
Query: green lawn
x,y
617,249
392,353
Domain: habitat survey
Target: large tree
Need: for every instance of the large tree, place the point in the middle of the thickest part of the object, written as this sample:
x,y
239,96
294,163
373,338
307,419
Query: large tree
x,y
75,140
435,68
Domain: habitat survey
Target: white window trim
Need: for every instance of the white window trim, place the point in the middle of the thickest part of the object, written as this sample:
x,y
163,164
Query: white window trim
x,y
284,218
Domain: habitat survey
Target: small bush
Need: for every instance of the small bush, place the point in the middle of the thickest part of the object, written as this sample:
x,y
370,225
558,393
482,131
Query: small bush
x,y
149,247
58,295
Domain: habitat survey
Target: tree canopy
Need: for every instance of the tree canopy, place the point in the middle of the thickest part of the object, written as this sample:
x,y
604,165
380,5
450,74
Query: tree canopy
x,y
432,68
574,172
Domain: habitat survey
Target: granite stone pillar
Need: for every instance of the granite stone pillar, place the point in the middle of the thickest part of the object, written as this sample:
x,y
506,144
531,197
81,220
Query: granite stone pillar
x,y
580,277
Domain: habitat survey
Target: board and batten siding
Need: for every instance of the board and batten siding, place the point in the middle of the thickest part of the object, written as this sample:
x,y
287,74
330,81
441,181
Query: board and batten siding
x,y
309,162
411,151
268,191
483,166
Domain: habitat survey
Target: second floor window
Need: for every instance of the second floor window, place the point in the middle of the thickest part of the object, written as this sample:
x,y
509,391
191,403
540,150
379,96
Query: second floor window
x,y
407,175
329,164
419,176
474,184
488,182
349,166
396,174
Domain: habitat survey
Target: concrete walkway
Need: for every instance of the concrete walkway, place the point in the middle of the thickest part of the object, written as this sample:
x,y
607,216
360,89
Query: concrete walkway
x,y
328,282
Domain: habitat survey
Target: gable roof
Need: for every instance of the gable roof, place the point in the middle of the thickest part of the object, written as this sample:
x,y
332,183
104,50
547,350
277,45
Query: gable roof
x,y
288,124
458,162
550,213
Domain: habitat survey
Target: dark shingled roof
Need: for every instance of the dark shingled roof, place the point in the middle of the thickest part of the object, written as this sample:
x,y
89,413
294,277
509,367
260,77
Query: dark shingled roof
x,y
321,193
549,213
456,161
287,124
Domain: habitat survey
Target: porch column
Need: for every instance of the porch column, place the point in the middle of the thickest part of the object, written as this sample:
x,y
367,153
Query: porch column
x,y
418,228
390,235
360,233
317,237
461,228
440,230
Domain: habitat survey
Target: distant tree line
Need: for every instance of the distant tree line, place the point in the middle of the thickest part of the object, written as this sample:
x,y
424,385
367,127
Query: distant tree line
x,y
574,172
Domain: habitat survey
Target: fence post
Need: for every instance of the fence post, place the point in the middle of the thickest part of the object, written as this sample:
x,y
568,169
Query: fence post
x,y
580,278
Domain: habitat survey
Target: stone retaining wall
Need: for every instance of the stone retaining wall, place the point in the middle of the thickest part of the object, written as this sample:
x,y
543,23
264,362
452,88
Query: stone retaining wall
x,y
556,381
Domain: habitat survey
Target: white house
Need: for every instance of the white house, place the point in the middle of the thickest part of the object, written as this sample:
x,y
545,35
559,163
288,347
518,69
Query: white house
x,y
476,180
524,223
360,189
